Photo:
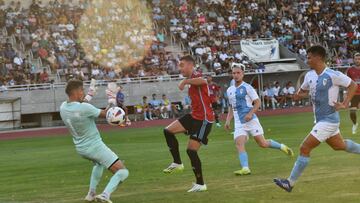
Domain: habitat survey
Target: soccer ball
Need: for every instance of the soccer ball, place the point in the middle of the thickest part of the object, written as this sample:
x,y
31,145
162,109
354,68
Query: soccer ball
x,y
115,116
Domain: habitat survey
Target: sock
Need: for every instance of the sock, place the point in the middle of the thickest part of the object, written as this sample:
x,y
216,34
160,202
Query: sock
x,y
243,157
298,168
145,117
353,117
352,147
173,145
274,144
96,174
115,180
196,165
217,118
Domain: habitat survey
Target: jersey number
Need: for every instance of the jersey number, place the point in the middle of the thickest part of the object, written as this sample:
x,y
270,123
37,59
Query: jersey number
x,y
71,127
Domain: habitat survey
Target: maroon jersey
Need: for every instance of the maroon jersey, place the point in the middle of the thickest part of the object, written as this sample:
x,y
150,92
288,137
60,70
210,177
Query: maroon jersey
x,y
200,101
214,92
354,74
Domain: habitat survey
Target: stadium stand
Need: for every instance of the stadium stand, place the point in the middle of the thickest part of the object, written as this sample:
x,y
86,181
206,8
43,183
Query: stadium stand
x,y
39,43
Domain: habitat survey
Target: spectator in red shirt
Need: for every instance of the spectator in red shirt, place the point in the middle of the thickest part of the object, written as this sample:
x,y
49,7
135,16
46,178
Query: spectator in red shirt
x,y
44,76
214,91
43,53
354,74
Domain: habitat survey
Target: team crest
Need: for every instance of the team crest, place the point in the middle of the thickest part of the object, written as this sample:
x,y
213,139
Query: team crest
x,y
324,82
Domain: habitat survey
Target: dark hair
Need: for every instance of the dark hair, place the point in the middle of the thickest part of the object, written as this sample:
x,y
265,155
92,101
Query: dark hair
x,y
188,58
73,84
318,50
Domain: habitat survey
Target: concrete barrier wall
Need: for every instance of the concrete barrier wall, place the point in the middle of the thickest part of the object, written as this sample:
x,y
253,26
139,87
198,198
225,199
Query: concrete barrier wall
x,y
49,100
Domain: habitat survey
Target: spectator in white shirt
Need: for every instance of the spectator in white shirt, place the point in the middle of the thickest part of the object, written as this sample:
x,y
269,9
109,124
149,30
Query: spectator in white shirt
x,y
199,51
269,97
289,92
18,60
277,94
302,52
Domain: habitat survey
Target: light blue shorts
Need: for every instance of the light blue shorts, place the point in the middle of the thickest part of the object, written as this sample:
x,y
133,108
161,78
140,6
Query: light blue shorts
x,y
100,154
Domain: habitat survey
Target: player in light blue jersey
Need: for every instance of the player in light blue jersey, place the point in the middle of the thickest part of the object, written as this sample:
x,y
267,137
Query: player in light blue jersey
x,y
79,117
323,85
238,65
241,97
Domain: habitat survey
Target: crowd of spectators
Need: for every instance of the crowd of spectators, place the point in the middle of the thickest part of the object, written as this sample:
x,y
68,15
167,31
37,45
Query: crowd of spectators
x,y
208,27
48,32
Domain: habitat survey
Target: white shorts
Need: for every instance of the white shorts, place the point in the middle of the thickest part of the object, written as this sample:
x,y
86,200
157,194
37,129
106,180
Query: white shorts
x,y
252,127
167,108
324,130
139,110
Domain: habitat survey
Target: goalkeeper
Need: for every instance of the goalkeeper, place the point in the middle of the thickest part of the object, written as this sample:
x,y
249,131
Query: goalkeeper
x,y
79,117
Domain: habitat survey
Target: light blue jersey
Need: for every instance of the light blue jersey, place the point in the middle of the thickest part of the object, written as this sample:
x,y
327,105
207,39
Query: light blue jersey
x,y
324,91
241,99
79,118
270,92
155,103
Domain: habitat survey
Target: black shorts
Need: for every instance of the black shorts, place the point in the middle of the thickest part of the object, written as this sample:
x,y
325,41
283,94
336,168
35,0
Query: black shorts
x,y
355,101
196,129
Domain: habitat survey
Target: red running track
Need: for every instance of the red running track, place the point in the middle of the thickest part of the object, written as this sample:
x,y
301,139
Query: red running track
x,y
61,131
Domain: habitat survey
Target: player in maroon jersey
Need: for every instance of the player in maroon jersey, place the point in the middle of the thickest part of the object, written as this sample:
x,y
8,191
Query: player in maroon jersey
x,y
214,91
354,74
197,124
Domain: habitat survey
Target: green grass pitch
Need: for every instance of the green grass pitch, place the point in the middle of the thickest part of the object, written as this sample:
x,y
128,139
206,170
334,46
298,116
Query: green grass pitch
x,y
48,169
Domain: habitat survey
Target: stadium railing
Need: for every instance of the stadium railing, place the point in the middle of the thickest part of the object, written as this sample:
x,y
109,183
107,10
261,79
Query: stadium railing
x,y
341,66
153,79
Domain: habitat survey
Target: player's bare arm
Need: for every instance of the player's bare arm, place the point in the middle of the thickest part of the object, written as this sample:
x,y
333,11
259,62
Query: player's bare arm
x,y
182,85
103,113
229,117
256,106
300,94
192,81
351,89
196,81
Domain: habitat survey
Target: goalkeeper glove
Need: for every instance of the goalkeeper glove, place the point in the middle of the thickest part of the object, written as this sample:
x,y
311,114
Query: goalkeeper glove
x,y
92,90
